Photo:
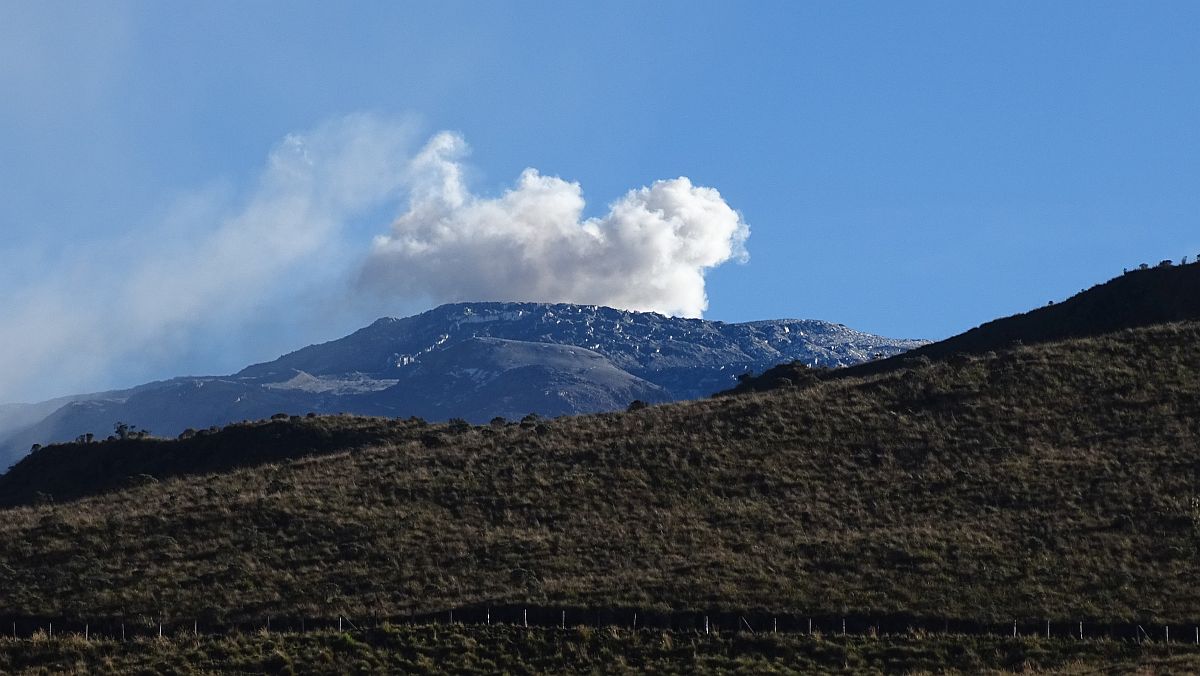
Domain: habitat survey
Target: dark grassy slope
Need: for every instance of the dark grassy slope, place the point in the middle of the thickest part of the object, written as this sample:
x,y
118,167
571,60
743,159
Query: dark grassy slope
x,y
1137,298
64,472
1060,481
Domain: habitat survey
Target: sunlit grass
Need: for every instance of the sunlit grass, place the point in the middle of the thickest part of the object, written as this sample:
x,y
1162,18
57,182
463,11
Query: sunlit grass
x,y
1057,481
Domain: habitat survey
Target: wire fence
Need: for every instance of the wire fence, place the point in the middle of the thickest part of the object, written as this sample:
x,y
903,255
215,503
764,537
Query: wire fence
x,y
559,617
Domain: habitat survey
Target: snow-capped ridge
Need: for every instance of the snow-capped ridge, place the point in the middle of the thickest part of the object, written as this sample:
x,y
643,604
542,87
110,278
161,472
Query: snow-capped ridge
x,y
479,360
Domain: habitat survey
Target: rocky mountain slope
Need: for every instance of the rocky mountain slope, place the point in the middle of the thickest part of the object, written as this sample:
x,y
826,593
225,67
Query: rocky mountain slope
x,y
474,361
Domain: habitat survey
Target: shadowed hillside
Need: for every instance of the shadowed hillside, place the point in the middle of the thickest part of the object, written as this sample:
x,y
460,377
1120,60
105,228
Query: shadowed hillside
x,y
1137,298
69,471
1141,297
1058,481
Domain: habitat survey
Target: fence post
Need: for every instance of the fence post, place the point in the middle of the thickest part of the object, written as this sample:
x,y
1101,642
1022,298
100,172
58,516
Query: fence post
x,y
160,629
489,617
706,625
810,626
51,629
525,618
1081,631
1014,628
1167,629
563,624
195,627
774,625
122,632
339,622
86,632
843,626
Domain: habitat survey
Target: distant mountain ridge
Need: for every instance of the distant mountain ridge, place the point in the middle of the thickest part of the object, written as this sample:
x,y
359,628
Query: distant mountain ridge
x,y
639,342
472,361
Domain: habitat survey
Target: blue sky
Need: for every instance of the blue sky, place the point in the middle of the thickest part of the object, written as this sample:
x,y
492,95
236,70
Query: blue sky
x,y
910,169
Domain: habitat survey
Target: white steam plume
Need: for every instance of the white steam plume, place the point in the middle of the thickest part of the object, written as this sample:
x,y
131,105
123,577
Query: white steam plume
x,y
649,252
209,266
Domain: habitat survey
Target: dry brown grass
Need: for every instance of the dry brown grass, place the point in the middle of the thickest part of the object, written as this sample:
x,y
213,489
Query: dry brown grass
x,y
1055,481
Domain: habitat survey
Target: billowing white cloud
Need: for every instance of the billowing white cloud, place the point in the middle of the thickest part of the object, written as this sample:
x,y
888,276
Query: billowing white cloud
x,y
649,252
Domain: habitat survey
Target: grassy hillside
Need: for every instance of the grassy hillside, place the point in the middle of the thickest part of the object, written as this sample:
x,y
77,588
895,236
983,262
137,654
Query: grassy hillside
x,y
1053,481
1138,298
